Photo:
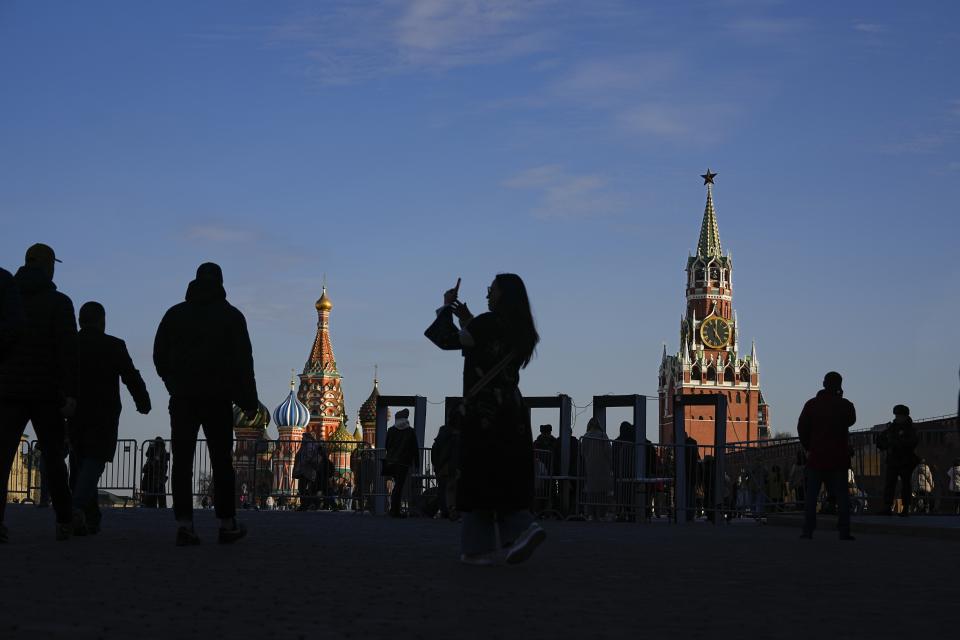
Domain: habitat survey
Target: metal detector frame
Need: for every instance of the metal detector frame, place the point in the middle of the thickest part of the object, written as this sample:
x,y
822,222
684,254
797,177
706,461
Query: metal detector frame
x,y
419,404
719,402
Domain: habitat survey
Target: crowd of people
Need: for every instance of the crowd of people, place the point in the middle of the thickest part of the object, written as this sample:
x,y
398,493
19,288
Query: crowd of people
x,y
66,383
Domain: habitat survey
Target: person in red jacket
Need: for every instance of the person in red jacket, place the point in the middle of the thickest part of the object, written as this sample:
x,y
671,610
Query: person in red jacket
x,y
824,427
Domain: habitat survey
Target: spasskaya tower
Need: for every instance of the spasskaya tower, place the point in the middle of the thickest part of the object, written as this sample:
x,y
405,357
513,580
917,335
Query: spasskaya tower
x,y
710,360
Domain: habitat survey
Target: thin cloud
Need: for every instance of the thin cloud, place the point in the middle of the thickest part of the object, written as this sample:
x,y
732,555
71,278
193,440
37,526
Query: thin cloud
x,y
566,195
349,42
766,30
220,234
869,27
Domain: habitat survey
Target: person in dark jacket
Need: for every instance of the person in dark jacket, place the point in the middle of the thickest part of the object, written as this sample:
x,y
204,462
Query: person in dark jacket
x,y
546,441
443,456
402,454
496,485
899,440
153,477
103,362
202,352
38,380
12,319
308,471
824,428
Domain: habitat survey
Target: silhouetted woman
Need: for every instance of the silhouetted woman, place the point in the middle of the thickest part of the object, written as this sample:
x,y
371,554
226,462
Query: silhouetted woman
x,y
496,445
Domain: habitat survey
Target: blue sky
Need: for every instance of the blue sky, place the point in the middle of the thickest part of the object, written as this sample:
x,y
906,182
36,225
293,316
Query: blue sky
x,y
394,146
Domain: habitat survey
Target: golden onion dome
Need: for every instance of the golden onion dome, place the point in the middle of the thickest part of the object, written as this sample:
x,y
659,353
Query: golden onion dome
x,y
324,303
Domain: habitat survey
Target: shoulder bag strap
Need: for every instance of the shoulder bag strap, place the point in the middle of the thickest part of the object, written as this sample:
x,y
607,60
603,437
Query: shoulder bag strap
x,y
490,375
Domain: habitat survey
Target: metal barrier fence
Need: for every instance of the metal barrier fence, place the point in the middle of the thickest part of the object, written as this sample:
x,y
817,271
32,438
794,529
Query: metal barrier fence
x,y
602,483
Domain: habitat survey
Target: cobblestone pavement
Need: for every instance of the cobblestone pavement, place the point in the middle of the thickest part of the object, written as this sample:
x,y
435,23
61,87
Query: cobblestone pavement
x,y
305,575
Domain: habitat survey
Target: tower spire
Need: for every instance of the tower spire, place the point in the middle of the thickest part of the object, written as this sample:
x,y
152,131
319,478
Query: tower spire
x,y
709,242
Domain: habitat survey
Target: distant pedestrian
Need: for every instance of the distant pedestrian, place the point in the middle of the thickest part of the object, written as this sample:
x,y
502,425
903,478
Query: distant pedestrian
x,y
953,484
775,487
922,480
624,471
443,457
899,440
104,362
824,427
359,479
308,471
797,478
38,378
546,441
496,484
203,354
402,455
156,466
691,459
597,470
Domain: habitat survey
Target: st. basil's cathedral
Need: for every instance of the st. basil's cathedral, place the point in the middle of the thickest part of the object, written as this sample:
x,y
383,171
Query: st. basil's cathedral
x,y
316,406
710,359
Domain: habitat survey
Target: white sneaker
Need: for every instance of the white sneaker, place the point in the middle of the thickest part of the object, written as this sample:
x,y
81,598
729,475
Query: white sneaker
x,y
477,560
524,546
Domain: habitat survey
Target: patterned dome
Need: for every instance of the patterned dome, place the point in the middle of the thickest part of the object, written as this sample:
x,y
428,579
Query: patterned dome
x,y
341,440
368,410
261,419
291,412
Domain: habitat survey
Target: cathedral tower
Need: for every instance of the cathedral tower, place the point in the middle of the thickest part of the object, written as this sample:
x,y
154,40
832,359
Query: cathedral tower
x,y
710,359
320,383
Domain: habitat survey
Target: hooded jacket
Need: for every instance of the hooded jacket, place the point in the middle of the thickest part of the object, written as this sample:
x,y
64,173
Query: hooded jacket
x,y
401,444
202,348
41,362
823,428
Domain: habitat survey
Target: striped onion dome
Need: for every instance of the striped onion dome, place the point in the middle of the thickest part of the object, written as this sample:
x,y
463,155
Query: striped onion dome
x,y
260,420
291,412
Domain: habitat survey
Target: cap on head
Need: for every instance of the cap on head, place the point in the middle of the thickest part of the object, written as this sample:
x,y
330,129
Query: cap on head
x,y
210,271
91,313
39,254
901,410
403,414
833,381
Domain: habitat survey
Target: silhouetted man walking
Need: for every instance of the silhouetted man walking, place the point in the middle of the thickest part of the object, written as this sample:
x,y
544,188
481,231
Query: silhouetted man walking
x,y
823,428
202,352
38,379
104,361
899,440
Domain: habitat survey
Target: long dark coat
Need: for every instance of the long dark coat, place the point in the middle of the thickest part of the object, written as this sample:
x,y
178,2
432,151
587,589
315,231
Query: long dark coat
x,y
41,364
11,312
496,443
104,362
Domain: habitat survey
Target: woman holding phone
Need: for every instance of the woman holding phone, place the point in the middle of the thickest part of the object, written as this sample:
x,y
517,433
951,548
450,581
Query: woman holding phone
x,y
496,445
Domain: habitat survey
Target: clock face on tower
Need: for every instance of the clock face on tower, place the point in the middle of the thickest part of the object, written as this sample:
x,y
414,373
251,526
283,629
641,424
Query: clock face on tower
x,y
715,332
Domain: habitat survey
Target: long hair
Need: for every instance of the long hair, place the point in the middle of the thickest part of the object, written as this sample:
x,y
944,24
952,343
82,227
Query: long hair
x,y
513,308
